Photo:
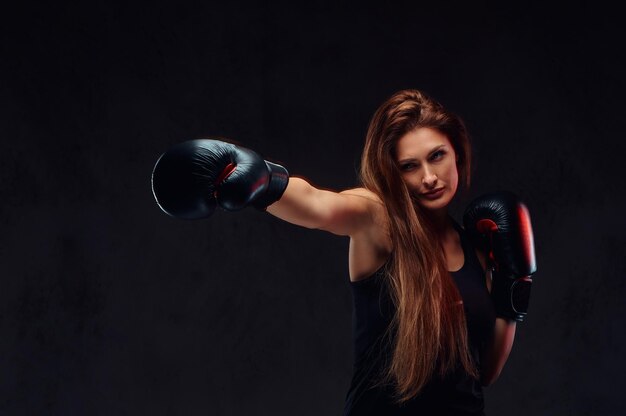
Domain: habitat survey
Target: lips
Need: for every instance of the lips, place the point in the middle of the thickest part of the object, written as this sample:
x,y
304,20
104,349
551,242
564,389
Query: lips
x,y
433,194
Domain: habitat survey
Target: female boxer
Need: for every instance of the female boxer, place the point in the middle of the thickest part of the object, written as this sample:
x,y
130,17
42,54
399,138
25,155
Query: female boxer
x,y
426,334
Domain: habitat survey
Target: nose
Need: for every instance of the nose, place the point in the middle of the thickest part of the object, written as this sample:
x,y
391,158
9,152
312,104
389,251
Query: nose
x,y
430,178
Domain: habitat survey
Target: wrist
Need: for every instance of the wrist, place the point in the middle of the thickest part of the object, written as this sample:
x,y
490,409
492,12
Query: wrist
x,y
279,178
510,296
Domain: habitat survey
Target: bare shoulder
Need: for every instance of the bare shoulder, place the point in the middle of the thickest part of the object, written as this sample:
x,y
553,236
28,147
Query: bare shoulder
x,y
364,193
349,212
374,206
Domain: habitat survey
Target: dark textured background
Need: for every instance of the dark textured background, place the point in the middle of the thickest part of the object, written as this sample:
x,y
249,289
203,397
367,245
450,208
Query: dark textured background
x,y
109,307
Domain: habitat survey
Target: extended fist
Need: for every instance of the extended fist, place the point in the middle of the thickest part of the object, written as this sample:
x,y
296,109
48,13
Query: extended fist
x,y
193,177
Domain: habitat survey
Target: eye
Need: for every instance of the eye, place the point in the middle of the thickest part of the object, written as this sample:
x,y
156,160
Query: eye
x,y
407,166
439,152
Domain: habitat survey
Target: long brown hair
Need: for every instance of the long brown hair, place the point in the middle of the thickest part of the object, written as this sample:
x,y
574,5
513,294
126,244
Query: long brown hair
x,y
429,328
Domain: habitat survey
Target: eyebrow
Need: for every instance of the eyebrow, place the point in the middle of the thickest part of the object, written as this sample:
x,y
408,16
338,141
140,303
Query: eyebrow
x,y
412,159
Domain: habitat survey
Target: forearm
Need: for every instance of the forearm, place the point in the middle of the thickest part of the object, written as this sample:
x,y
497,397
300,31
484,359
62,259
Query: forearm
x,y
497,351
297,204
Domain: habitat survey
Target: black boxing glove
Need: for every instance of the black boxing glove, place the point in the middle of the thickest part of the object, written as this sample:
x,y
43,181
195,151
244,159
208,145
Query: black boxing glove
x,y
499,223
193,177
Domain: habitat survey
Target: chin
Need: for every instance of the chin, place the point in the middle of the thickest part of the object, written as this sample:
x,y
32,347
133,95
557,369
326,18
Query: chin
x,y
435,204
430,206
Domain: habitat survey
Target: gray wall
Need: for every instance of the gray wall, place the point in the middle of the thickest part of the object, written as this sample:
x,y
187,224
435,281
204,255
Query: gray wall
x,y
109,307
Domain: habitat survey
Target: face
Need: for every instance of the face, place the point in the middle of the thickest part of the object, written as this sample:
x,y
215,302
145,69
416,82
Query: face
x,y
427,162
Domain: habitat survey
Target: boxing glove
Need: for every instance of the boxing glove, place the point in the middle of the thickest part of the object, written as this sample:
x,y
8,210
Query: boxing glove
x,y
499,224
192,178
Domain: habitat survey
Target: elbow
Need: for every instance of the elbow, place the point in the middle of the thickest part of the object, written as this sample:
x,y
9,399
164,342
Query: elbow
x,y
489,371
497,352
486,382
487,378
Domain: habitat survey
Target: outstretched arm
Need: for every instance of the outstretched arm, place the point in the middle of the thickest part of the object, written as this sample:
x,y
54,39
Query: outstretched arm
x,y
342,213
194,177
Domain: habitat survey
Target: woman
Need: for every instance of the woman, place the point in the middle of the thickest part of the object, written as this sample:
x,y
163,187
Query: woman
x,y
426,336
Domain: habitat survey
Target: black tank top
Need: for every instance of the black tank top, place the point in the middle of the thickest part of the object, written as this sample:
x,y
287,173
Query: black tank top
x,y
455,394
